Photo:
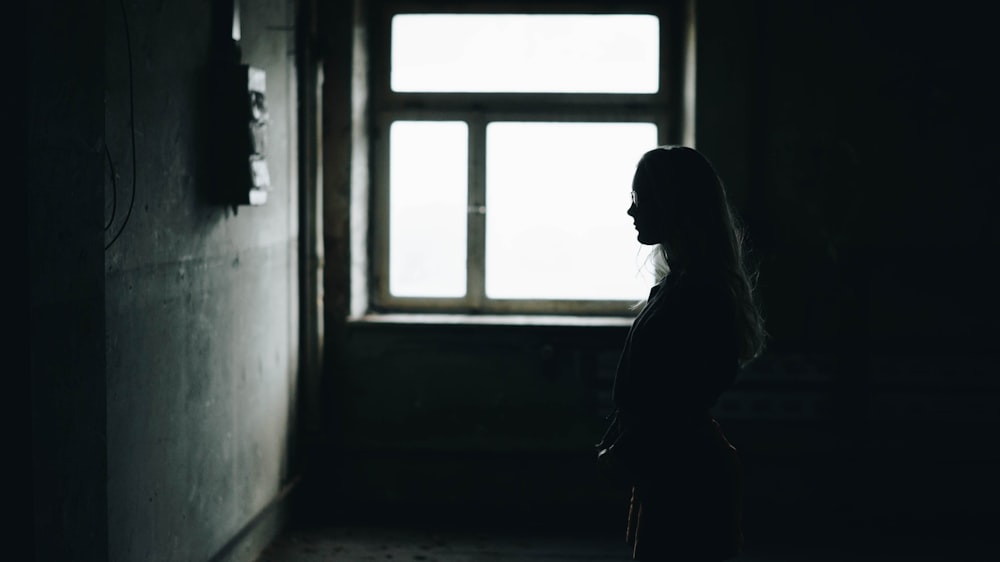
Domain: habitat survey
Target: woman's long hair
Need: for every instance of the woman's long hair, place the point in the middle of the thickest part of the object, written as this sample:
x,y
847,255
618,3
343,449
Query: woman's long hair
x,y
701,230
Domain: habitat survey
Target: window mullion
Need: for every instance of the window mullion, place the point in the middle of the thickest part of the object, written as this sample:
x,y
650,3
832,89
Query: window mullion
x,y
476,274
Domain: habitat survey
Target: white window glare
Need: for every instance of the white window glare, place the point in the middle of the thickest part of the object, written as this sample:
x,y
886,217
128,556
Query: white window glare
x,y
428,202
556,202
563,53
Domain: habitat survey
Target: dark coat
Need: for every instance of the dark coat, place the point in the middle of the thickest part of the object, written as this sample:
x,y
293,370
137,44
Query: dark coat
x,y
680,355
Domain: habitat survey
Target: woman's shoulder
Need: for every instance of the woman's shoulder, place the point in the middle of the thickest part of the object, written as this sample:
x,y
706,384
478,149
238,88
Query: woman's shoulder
x,y
697,286
693,307
693,298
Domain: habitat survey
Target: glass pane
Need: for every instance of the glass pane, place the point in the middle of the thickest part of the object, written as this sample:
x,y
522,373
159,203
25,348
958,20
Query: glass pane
x,y
428,201
556,202
616,53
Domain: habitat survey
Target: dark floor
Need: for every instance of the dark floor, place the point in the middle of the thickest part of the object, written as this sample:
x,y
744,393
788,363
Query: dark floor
x,y
375,543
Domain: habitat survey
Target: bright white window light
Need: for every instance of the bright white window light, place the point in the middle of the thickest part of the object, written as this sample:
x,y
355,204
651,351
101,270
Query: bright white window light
x,y
556,202
428,202
581,53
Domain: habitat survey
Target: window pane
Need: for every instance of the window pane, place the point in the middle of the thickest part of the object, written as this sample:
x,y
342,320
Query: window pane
x,y
525,53
428,201
556,202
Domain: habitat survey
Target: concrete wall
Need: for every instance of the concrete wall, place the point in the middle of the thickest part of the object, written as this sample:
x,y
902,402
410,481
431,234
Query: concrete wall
x,y
854,140
201,299
866,144
163,367
473,423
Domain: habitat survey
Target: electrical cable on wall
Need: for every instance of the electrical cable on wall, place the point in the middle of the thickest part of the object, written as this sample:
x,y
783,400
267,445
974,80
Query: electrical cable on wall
x,y
131,103
114,188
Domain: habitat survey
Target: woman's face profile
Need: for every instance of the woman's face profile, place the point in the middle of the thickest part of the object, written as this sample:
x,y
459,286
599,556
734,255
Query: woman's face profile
x,y
642,217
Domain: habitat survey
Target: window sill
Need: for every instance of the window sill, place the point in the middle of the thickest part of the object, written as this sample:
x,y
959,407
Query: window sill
x,y
401,319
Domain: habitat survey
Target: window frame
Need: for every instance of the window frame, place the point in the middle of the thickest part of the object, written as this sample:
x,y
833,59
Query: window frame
x,y
662,108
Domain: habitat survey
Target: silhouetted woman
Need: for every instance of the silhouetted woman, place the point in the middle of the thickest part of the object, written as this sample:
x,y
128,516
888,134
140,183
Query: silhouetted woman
x,y
698,326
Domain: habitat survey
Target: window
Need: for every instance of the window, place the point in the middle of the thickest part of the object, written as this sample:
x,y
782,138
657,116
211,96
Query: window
x,y
504,146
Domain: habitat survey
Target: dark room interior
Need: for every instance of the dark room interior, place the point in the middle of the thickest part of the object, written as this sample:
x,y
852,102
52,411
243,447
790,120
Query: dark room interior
x,y
223,372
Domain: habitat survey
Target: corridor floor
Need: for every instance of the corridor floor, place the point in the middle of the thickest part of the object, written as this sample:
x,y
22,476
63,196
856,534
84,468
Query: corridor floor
x,y
388,544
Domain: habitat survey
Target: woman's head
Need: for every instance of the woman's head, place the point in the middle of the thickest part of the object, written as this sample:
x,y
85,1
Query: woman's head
x,y
680,204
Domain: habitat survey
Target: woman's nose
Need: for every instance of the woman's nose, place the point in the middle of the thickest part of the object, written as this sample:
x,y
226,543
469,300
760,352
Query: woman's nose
x,y
631,210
